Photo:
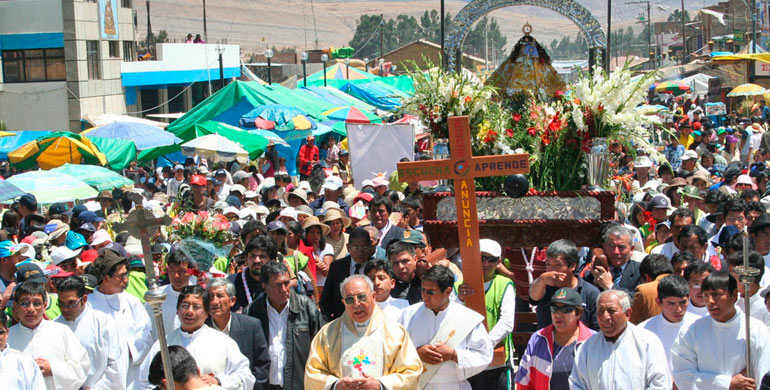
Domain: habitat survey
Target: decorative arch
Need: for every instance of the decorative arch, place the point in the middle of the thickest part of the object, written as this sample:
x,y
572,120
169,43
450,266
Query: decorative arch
x,y
475,10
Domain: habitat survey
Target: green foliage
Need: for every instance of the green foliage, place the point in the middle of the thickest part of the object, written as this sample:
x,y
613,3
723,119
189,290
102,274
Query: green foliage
x,y
405,29
676,16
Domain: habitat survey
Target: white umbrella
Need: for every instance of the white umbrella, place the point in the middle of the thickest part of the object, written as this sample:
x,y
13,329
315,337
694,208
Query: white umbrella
x,y
215,148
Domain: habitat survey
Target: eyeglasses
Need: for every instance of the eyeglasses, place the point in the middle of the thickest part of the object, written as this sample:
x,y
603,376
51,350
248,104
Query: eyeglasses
x,y
123,276
27,304
362,298
429,292
186,306
562,309
359,247
489,259
70,305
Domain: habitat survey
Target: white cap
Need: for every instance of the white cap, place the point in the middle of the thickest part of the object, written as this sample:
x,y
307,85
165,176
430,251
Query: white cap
x,y
490,247
642,162
247,212
239,188
305,185
250,195
689,155
62,253
27,251
231,210
100,237
289,212
332,183
366,183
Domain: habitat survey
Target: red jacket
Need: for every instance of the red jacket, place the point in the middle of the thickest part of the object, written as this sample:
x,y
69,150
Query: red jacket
x,y
306,155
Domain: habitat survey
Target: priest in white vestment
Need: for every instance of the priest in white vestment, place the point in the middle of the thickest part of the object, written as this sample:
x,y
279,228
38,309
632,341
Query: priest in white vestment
x,y
384,280
623,356
17,370
673,298
97,332
134,326
57,352
711,354
362,349
218,356
451,339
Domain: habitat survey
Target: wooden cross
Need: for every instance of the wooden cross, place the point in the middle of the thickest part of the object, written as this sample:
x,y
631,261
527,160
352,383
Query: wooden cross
x,y
463,168
138,223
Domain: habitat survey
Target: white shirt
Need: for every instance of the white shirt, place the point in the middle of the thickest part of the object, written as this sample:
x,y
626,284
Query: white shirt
x,y
134,327
327,251
173,187
758,308
504,324
96,332
474,353
168,308
214,352
393,307
277,323
19,371
55,342
698,311
636,360
667,331
669,250
712,364
765,282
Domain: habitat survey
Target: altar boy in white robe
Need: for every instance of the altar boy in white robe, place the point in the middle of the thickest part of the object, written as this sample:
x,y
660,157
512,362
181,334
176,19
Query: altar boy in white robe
x,y
362,349
17,370
711,353
218,356
97,333
451,339
623,356
56,350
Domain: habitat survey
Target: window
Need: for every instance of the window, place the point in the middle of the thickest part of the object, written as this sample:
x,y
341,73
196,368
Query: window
x,y
125,3
114,49
92,60
128,51
21,66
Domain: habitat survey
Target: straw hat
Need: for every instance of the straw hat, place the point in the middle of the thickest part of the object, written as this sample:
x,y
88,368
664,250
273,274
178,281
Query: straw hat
x,y
314,221
298,192
334,214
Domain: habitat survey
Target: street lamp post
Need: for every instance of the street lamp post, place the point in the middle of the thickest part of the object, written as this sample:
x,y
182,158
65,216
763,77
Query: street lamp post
x,y
347,68
382,62
304,68
220,50
269,56
324,58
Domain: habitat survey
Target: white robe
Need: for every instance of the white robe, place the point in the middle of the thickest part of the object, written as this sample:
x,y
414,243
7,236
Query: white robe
x,y
393,307
56,343
215,353
19,371
474,353
134,327
758,308
635,360
97,333
168,308
667,331
710,353
698,311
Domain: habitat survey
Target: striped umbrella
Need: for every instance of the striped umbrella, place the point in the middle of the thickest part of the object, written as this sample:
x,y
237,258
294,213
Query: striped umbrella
x,y
673,87
747,90
98,177
215,148
52,187
351,114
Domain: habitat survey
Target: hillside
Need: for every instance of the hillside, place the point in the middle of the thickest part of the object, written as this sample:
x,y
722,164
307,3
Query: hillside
x,y
257,24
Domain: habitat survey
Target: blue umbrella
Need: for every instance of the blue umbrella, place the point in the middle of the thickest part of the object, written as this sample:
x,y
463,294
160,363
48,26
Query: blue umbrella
x,y
275,112
144,136
271,137
9,191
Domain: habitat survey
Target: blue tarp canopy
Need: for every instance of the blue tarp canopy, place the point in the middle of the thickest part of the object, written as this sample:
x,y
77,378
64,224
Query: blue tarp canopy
x,y
374,94
9,144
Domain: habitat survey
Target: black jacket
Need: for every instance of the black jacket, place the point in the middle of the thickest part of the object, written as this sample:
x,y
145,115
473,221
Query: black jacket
x,y
255,288
247,332
630,278
331,299
303,324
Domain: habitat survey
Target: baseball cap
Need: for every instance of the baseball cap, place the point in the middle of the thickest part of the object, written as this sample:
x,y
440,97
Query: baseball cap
x,y
135,263
231,210
77,210
233,200
57,208
61,254
367,183
332,183
7,248
100,237
178,167
490,247
277,225
696,125
29,201
642,162
240,175
567,297
238,188
198,180
90,216
220,172
689,155
414,237
75,240
88,227
54,271
29,272
659,201
90,281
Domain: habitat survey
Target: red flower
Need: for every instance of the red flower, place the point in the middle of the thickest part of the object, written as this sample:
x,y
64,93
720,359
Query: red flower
x,y
532,131
555,124
516,117
533,115
490,137
546,138
509,132
559,94
600,108
468,99
586,144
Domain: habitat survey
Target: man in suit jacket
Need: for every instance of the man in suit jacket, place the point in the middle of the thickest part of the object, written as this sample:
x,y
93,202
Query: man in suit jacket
x,y
360,251
653,269
379,214
246,331
623,274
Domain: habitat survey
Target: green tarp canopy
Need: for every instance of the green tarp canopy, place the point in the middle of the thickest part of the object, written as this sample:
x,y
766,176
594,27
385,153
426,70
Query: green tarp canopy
x,y
119,152
253,143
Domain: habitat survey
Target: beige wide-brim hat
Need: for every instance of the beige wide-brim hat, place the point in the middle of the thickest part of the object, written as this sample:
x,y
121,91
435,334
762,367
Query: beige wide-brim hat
x,y
298,192
334,214
314,221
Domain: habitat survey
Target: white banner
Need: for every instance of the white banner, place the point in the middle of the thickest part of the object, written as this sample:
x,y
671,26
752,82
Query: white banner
x,y
376,148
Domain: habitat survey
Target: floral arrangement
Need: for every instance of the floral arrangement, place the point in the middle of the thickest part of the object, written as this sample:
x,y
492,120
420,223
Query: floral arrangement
x,y
210,228
439,95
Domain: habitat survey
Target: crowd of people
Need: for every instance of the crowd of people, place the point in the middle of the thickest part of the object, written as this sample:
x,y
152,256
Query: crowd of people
x,y
324,286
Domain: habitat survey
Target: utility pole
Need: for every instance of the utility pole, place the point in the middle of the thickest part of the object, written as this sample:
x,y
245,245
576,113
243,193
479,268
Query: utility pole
x,y
684,36
486,45
382,37
149,29
609,37
752,71
205,30
443,56
649,30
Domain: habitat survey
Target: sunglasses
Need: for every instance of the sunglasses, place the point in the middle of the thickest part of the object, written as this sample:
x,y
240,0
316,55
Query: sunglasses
x,y
562,309
70,305
362,298
429,292
489,259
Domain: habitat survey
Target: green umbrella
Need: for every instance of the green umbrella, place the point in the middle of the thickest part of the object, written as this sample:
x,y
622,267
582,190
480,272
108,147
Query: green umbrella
x,y
98,177
52,187
254,144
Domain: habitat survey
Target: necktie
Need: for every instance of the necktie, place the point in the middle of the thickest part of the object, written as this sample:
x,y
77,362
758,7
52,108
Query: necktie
x,y
617,273
357,269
